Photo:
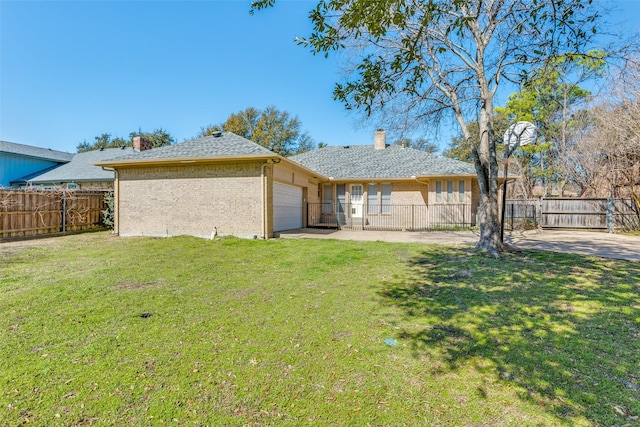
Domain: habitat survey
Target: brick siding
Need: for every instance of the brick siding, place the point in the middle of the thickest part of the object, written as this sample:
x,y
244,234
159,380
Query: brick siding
x,y
191,199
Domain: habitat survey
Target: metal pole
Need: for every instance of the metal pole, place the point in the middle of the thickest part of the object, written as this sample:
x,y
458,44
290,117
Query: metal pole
x,y
610,214
64,213
504,193
512,214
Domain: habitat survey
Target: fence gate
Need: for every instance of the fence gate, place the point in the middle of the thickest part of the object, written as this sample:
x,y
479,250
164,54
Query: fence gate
x,y
574,213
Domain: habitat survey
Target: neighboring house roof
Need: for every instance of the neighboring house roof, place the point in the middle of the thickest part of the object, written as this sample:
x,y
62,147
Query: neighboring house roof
x,y
80,169
35,152
393,162
226,145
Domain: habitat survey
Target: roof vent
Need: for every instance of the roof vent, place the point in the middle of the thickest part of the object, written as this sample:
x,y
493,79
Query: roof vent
x,y
217,134
122,147
347,146
101,148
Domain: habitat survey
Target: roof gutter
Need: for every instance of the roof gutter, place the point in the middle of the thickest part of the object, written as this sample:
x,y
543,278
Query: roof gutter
x,y
182,160
420,182
275,158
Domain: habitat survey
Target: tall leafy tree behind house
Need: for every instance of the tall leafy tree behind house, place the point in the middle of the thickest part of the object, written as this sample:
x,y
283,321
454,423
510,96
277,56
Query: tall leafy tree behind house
x,y
553,99
422,144
279,131
461,148
104,140
417,61
158,138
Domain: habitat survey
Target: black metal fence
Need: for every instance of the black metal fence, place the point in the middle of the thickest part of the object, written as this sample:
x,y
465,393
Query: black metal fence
x,y
390,217
519,214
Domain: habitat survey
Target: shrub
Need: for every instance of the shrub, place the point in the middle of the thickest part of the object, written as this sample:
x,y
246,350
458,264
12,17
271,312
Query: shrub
x,y
107,214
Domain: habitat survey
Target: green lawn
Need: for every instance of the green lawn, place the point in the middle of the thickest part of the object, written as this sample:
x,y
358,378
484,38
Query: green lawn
x,y
100,330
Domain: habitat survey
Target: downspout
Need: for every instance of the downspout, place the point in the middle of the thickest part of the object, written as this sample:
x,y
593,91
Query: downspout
x,y
116,201
264,199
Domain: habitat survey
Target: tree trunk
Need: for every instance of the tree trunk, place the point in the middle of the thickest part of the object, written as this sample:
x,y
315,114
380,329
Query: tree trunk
x,y
487,171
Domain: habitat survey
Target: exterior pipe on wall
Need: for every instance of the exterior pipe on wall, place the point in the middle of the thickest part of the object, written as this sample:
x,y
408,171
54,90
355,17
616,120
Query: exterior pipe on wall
x,y
264,200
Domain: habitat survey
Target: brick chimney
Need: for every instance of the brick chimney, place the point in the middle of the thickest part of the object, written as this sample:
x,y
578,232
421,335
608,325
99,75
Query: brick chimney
x,y
141,144
380,139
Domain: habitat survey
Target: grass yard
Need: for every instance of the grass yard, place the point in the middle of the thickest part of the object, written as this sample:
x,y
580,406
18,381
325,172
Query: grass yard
x,y
99,330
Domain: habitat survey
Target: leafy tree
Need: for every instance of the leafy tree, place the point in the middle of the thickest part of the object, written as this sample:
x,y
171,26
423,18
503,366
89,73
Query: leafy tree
x,y
422,144
208,130
158,138
108,214
551,98
271,128
102,141
420,60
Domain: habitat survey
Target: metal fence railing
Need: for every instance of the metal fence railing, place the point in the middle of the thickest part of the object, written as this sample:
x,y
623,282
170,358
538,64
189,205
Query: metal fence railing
x,y
389,217
574,213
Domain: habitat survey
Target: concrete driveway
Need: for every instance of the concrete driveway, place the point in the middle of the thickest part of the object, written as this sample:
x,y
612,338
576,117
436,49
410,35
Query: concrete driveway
x,y
598,244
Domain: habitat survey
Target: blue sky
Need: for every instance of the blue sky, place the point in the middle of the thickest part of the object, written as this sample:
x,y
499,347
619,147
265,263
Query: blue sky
x,y
71,70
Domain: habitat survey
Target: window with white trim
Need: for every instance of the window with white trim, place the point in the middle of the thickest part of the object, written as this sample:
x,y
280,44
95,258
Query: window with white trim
x,y
341,197
385,197
438,191
372,199
461,191
327,198
449,191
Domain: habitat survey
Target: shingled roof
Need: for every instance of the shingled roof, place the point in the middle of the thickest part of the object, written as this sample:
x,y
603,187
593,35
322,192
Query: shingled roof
x,y
80,169
227,144
35,152
393,162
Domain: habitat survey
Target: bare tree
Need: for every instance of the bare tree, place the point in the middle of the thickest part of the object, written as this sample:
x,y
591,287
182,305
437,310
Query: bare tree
x,y
608,157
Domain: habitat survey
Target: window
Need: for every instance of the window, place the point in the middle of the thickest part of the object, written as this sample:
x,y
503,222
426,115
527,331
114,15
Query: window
x,y
386,198
372,199
327,198
461,191
449,191
341,198
438,191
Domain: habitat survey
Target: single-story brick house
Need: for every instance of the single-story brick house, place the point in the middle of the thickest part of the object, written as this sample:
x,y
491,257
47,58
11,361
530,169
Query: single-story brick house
x,y
384,186
227,184
222,183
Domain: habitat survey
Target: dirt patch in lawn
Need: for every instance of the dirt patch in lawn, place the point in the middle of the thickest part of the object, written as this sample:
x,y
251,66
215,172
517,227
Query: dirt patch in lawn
x,y
130,285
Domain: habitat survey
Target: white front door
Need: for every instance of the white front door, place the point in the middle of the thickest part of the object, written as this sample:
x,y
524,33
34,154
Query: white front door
x,y
356,200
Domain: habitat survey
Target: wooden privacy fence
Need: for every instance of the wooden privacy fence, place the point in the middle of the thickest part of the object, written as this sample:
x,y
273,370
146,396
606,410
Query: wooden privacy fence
x,y
26,213
572,213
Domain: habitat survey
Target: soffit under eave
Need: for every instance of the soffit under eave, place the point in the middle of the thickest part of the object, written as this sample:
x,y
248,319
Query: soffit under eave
x,y
182,161
410,179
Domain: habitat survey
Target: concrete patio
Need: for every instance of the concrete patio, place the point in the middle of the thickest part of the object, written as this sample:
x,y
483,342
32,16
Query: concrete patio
x,y
598,244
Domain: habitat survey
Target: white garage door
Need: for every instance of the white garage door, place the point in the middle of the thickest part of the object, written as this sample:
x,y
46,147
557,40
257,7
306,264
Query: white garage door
x,y
287,207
